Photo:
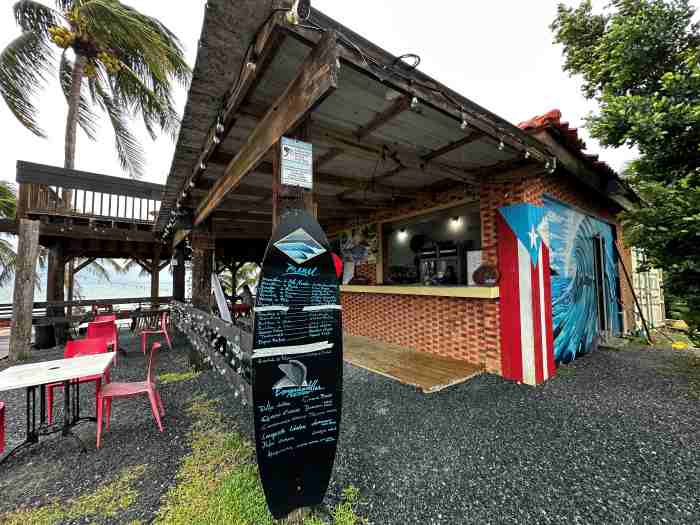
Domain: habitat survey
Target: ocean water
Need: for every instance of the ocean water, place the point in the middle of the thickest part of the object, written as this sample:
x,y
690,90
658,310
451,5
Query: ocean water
x,y
119,286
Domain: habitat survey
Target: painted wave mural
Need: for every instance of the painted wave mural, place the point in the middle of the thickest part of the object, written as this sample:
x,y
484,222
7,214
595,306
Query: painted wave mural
x,y
574,298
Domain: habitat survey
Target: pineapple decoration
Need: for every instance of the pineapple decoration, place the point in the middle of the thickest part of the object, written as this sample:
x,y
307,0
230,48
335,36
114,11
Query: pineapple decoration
x,y
77,38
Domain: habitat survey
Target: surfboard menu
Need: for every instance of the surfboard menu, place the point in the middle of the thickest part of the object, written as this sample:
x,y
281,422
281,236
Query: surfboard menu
x,y
297,365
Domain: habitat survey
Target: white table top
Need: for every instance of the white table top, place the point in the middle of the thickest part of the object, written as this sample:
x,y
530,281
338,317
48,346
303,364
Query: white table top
x,y
34,374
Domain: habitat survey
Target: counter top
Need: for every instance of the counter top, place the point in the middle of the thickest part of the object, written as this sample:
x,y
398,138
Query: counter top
x,y
468,292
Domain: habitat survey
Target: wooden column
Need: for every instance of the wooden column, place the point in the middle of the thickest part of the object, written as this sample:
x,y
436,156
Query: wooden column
x,y
71,285
55,285
23,295
179,274
56,277
155,274
202,255
285,197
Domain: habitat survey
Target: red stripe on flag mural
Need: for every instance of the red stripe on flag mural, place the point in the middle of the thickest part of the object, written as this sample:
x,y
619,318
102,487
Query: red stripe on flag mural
x,y
511,346
548,317
537,322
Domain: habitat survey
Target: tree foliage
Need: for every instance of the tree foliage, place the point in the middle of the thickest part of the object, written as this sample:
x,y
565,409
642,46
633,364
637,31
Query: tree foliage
x,y
640,60
123,63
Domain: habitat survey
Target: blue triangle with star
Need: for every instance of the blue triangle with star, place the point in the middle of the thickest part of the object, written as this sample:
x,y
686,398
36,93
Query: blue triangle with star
x,y
525,219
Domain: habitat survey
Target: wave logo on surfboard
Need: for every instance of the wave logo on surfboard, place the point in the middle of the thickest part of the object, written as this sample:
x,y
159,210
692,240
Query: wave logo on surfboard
x,y
299,246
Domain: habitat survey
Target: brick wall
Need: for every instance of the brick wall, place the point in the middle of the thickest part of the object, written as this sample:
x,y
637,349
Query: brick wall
x,y
465,329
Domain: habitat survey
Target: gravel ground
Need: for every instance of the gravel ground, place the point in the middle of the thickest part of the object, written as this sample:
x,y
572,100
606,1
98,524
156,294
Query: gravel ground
x,y
610,440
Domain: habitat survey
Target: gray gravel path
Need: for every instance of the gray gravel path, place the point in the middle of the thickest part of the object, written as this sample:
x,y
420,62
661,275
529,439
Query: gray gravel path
x,y
611,440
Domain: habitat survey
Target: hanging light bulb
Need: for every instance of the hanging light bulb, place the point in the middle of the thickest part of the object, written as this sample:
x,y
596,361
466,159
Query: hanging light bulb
x,y
501,146
414,102
217,140
202,166
465,124
219,126
527,154
192,183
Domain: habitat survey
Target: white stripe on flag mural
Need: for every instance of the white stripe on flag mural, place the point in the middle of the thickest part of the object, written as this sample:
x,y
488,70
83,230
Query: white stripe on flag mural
x,y
543,324
527,343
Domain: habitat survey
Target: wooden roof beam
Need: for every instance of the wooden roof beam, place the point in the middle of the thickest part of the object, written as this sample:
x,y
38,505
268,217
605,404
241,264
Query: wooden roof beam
x,y
317,78
255,64
475,116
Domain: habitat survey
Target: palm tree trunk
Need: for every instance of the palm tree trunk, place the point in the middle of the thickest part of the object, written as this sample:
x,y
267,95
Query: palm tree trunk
x,y
69,152
73,106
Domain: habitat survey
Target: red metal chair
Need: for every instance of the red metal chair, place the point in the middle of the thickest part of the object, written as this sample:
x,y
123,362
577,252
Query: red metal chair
x,y
148,387
163,331
104,317
74,349
106,329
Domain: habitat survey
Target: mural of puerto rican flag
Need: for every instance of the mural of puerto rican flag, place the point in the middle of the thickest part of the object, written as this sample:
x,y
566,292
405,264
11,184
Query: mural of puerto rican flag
x,y
527,340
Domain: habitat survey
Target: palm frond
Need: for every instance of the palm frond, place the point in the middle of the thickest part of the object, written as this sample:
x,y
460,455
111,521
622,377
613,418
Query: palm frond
x,y
151,56
8,260
129,151
113,265
97,269
8,200
25,65
86,118
36,17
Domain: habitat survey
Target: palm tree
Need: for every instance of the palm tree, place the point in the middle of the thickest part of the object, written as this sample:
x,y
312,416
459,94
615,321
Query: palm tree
x,y
8,206
112,58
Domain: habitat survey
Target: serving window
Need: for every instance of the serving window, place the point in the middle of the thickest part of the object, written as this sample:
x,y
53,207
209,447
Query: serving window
x,y
441,248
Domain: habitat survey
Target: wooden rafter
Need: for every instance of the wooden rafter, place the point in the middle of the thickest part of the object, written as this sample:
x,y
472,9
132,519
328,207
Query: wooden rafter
x,y
84,264
317,78
397,107
257,60
476,117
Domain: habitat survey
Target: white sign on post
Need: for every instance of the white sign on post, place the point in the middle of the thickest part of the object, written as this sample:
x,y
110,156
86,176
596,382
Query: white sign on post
x,y
297,163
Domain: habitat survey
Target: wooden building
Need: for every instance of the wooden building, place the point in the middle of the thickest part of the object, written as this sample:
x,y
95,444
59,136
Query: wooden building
x,y
417,185
410,178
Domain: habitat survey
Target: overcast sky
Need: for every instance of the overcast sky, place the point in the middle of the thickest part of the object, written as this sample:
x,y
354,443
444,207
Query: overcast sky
x,y
497,53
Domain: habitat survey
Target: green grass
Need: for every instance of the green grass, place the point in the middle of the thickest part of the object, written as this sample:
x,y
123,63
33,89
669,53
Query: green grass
x,y
106,501
177,377
218,482
686,366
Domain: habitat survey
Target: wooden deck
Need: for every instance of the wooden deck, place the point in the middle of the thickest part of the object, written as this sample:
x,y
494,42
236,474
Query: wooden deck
x,y
428,372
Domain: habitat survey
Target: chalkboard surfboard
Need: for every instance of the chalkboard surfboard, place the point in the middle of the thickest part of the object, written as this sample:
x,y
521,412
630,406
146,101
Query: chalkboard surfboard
x,y
297,365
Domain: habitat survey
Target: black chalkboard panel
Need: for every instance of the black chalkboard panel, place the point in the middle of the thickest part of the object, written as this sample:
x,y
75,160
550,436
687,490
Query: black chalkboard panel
x,y
297,365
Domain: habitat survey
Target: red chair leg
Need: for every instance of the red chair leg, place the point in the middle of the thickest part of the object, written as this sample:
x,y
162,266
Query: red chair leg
x,y
108,411
100,402
143,343
98,389
154,409
167,338
160,404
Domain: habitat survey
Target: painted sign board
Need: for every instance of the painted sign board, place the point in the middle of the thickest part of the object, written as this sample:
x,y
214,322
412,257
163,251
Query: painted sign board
x,y
296,163
297,365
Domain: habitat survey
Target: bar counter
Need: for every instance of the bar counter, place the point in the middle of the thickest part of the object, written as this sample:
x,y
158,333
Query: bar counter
x,y
466,292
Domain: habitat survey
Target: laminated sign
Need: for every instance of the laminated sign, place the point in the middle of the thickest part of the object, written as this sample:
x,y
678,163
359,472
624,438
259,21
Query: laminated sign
x,y
296,163
297,365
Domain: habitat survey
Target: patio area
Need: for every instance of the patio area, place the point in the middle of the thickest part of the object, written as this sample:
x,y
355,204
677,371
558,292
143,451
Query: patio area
x,y
616,432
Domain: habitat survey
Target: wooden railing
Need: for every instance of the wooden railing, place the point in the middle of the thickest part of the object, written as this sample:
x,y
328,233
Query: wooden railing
x,y
47,190
228,347
139,307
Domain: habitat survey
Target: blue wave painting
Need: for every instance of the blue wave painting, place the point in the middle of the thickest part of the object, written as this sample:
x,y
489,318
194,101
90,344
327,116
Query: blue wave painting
x,y
300,246
574,298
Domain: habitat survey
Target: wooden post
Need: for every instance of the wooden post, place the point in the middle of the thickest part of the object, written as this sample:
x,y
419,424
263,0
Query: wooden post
x,y
71,285
202,253
55,284
155,274
202,266
179,275
23,295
